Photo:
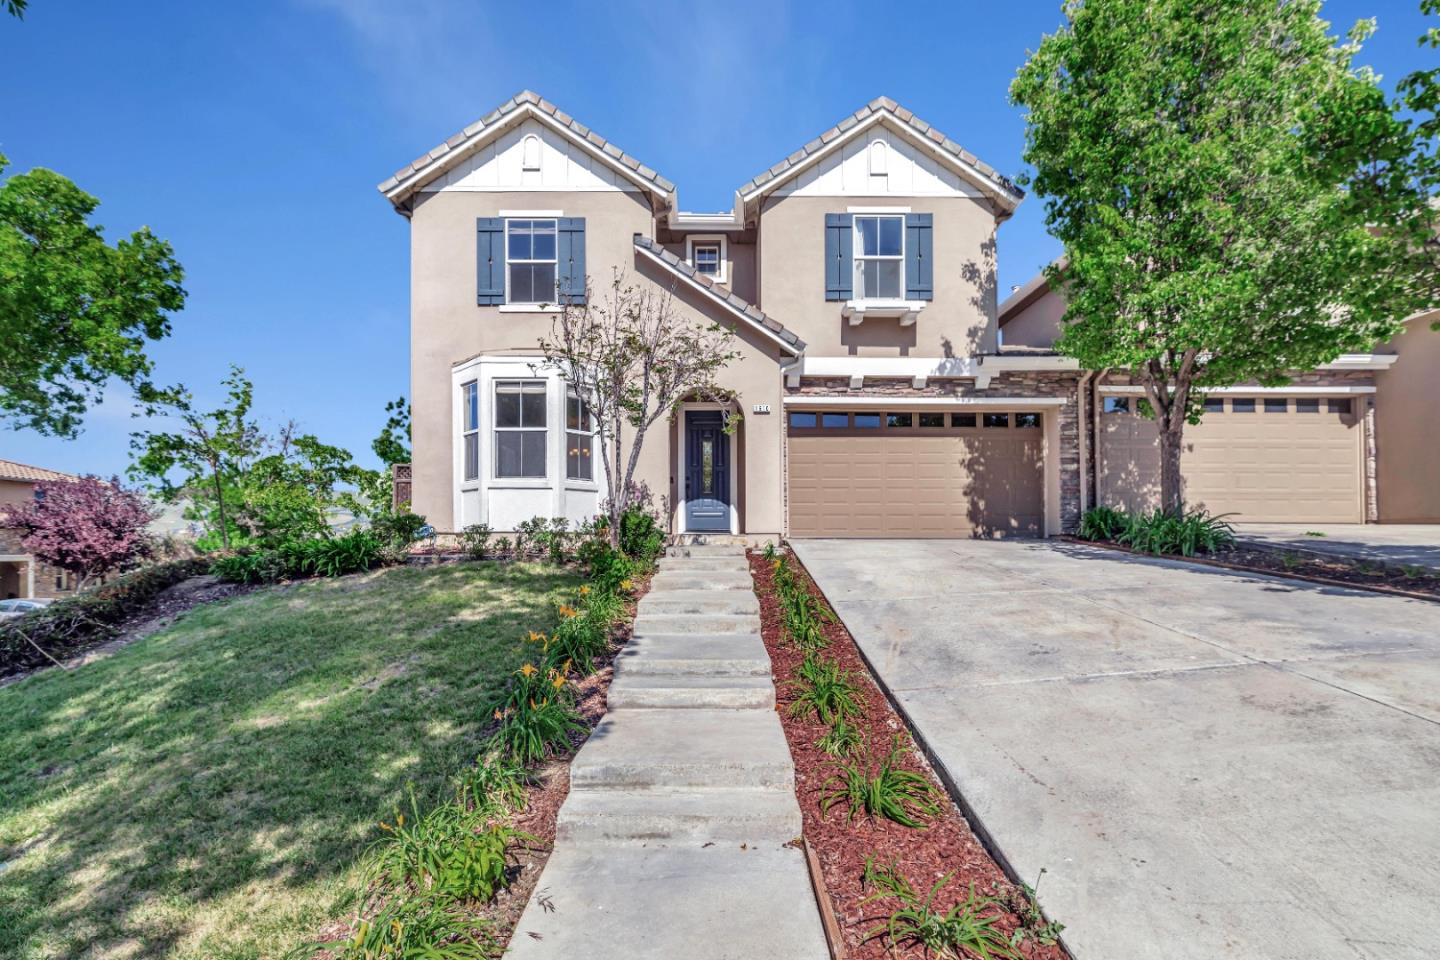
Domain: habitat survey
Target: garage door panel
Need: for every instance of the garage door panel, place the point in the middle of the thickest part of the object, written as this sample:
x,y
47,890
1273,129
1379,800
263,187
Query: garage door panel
x,y
903,483
1262,466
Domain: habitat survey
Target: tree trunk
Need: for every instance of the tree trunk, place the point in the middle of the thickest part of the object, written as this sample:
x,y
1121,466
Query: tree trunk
x,y
1172,496
220,506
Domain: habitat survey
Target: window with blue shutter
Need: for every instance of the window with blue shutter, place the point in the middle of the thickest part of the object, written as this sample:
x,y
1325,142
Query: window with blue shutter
x,y
490,261
919,256
572,258
839,263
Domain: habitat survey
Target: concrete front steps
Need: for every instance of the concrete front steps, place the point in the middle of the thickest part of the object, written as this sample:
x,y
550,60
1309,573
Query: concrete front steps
x,y
675,839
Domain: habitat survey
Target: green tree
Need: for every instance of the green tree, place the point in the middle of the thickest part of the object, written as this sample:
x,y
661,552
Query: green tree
x,y
212,452
1216,173
74,310
392,445
16,8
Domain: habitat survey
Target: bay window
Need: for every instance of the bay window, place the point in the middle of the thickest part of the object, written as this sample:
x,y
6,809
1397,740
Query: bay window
x,y
579,438
470,428
520,429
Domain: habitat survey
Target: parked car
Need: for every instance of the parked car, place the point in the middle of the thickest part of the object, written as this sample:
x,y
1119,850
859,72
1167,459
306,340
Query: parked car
x,y
10,609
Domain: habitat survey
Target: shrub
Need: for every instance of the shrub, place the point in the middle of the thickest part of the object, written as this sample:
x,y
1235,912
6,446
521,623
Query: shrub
x,y
556,540
412,926
641,535
1102,523
319,557
1195,531
881,790
608,568
397,530
538,715
80,621
531,536
493,787
841,740
825,690
969,928
449,852
503,547
474,539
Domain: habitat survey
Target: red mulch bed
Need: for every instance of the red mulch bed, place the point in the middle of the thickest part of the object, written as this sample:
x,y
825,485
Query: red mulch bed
x,y
1419,583
842,846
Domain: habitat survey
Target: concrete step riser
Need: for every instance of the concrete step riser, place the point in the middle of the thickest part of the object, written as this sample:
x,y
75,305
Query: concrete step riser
x,y
716,564
703,602
715,580
708,550
620,774
651,623
690,698
712,827
658,666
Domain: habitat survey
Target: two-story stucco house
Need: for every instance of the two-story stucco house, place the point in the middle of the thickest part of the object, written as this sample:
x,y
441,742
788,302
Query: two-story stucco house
x,y
858,274
21,575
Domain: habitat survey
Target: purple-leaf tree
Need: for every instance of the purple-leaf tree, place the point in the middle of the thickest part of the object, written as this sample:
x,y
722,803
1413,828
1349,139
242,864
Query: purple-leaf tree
x,y
88,527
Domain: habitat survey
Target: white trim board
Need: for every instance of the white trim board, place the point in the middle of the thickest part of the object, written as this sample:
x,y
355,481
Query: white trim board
x,y
1299,391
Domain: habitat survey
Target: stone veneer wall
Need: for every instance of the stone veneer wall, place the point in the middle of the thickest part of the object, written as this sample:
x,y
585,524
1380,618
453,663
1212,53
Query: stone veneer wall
x,y
1010,385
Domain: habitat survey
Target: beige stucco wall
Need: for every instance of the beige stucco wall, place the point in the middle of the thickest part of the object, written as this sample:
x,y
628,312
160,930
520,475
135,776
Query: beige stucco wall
x,y
1407,400
960,321
1037,323
447,326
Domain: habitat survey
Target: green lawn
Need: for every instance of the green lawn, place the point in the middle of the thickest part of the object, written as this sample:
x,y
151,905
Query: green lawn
x,y
206,791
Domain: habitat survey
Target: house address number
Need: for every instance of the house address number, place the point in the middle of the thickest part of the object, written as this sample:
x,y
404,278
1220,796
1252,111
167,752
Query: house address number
x,y
761,408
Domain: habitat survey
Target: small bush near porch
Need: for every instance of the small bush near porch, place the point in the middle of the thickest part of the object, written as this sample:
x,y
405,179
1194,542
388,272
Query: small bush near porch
x,y
206,792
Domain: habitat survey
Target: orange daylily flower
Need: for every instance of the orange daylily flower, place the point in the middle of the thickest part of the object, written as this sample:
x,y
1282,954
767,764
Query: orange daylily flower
x,y
568,611
536,636
528,671
585,590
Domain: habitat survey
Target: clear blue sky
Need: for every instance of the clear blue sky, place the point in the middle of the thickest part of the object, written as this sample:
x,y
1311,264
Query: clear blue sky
x,y
251,135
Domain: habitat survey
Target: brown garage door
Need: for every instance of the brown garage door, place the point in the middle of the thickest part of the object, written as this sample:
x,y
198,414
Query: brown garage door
x,y
1276,459
915,474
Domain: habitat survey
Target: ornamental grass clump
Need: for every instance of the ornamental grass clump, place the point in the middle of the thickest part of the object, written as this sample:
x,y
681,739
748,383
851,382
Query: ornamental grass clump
x,y
494,787
970,928
880,790
403,926
825,691
449,852
841,740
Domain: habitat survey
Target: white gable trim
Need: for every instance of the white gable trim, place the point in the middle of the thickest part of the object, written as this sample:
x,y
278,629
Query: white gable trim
x,y
892,125
526,111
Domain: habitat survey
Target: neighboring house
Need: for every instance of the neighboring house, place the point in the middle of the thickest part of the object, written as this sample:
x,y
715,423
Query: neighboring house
x,y
1350,442
858,274
20,574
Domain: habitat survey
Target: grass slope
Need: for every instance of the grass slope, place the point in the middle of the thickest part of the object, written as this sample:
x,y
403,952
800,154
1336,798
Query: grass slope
x,y
205,792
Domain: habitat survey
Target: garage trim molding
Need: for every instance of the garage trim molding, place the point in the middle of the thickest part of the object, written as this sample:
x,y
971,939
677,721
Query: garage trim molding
x,y
802,400
1303,391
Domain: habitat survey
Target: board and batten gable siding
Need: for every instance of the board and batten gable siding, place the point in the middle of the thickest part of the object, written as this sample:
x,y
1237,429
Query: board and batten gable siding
x,y
501,165
958,321
447,325
899,169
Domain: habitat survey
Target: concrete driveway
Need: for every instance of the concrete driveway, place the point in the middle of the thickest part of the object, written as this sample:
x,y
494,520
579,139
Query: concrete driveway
x,y
1208,764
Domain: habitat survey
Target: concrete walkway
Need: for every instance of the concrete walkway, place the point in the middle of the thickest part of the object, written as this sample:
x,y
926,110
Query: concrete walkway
x,y
673,840
1210,764
1393,543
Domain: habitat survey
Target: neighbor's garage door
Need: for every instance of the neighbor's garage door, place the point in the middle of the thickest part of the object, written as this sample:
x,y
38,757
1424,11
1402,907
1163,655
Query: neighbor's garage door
x,y
1276,459
915,474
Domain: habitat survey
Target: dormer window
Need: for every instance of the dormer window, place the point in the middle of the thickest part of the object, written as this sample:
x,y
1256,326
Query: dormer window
x,y
708,255
530,153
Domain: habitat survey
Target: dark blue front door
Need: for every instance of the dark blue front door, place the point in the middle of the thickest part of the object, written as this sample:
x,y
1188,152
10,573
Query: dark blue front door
x,y
707,472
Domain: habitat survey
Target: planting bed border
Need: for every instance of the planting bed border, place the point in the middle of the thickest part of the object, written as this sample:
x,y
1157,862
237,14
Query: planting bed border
x,y
1329,560
840,846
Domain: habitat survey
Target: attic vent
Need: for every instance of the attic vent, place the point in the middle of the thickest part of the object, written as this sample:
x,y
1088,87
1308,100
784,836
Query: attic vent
x,y
878,159
530,153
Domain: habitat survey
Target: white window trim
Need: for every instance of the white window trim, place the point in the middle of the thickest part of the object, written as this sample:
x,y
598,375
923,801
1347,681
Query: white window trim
x,y
578,482
496,430
467,431
680,451
873,305
709,240
508,263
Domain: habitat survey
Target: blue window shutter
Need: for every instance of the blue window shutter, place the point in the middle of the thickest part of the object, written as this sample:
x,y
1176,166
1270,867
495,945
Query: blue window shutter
x,y
839,256
919,256
490,260
571,254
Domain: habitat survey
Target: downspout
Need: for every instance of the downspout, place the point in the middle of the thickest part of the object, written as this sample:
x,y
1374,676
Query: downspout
x,y
1095,432
785,369
1082,427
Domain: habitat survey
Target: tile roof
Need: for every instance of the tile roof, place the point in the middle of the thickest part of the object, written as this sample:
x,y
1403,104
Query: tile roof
x,y
10,470
499,116
735,303
917,126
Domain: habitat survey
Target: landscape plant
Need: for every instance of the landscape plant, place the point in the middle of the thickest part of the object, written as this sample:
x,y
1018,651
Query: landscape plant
x,y
825,691
1188,534
493,787
538,716
631,357
87,527
76,313
841,740
410,927
474,539
880,789
970,928
1237,199
450,852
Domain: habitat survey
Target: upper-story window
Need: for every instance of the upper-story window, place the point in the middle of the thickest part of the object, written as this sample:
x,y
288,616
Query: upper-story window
x,y
530,256
708,256
879,257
